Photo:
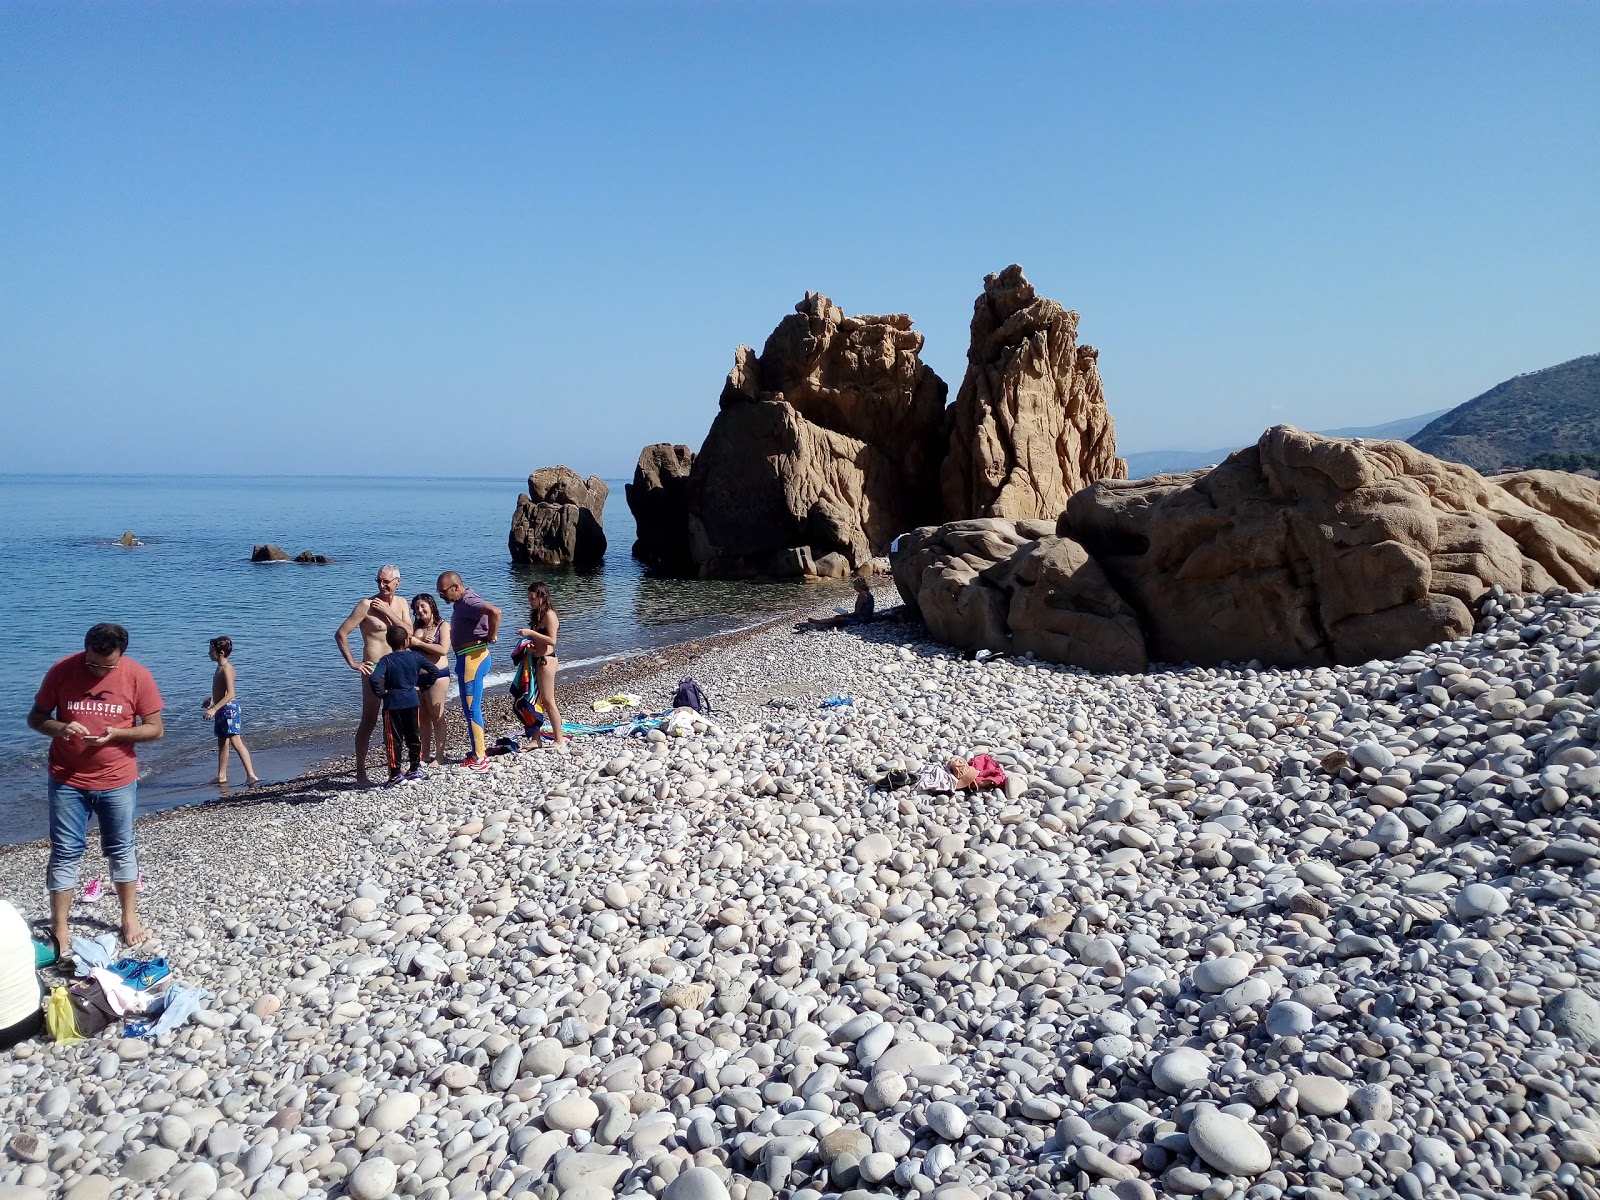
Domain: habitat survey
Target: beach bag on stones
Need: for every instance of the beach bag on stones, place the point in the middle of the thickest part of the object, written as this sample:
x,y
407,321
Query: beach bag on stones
x,y
689,695
91,1011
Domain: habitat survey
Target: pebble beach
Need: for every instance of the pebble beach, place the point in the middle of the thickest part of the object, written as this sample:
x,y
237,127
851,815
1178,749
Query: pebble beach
x,y
1237,932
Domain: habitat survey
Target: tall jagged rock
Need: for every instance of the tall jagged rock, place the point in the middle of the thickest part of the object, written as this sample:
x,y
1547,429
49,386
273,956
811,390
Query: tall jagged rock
x,y
659,500
826,445
558,520
1029,426
1304,549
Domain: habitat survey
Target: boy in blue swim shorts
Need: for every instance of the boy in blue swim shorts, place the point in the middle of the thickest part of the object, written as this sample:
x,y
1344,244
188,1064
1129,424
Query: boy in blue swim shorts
x,y
222,710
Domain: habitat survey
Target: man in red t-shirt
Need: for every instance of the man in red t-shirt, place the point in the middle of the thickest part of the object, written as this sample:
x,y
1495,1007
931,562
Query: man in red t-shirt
x,y
94,707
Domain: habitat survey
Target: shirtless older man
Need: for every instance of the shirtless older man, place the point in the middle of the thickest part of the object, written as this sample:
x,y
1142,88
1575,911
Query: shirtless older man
x,y
373,616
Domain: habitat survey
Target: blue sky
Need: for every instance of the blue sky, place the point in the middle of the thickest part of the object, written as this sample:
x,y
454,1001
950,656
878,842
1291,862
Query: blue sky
x,y
477,239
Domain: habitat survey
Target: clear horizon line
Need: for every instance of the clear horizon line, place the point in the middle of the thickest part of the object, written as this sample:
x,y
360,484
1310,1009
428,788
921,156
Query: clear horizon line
x,y
5,475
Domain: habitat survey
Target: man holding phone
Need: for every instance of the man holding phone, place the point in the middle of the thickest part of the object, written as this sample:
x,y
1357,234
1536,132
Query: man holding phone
x,y
95,707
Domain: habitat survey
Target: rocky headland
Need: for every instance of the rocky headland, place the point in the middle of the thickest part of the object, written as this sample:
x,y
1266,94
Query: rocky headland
x,y
1553,414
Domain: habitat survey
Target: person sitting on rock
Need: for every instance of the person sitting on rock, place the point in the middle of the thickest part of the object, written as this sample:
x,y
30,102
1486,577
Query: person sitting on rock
x,y
865,603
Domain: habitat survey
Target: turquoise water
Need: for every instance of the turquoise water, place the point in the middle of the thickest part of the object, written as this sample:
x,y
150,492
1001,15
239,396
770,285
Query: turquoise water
x,y
192,580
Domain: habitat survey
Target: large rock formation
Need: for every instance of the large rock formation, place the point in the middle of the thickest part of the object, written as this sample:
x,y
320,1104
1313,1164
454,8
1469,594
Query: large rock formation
x,y
267,552
659,500
1016,587
826,444
1299,550
835,439
1029,426
1304,549
558,520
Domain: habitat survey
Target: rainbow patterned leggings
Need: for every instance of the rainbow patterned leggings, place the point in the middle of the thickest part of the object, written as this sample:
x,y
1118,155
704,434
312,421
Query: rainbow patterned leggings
x,y
472,668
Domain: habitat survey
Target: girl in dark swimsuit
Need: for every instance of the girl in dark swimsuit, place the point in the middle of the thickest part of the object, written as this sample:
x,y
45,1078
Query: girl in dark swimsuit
x,y
544,624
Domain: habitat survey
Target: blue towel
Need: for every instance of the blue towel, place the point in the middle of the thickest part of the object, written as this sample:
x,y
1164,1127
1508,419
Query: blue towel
x,y
177,1005
94,952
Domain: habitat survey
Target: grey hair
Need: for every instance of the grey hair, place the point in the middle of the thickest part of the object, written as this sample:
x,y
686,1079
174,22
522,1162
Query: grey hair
x,y
389,567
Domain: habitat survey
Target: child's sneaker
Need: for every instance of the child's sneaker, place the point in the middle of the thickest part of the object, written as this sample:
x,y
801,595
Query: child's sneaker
x,y
474,763
93,890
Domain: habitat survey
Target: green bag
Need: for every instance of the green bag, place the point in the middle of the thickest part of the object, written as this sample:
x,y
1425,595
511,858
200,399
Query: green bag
x,y
45,953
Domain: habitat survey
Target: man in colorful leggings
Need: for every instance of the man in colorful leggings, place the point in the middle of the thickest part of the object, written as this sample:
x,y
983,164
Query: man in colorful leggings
x,y
474,625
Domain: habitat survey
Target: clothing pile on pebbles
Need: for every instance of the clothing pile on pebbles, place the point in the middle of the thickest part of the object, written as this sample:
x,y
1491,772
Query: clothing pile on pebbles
x,y
1260,933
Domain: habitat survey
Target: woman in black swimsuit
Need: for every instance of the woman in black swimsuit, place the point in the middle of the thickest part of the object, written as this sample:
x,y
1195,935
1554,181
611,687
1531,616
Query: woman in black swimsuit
x,y
544,624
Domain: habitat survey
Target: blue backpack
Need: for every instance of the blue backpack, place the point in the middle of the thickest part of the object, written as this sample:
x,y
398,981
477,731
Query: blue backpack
x,y
689,695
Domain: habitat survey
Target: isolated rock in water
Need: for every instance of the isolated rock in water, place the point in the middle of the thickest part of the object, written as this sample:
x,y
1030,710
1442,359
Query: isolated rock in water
x,y
659,500
1029,426
308,556
1304,549
269,553
1014,587
558,520
127,539
828,442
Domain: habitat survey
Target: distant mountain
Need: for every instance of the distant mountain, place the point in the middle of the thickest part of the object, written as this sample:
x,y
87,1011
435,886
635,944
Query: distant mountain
x,y
1549,417
1158,462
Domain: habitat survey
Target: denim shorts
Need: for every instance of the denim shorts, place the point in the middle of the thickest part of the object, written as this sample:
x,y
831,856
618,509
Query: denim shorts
x,y
70,810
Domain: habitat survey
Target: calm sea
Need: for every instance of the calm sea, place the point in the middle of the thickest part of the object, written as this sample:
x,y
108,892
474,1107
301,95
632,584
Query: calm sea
x,y
192,580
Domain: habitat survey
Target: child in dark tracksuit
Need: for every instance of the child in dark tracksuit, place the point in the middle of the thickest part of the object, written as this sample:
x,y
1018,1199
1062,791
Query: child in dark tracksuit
x,y
395,681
